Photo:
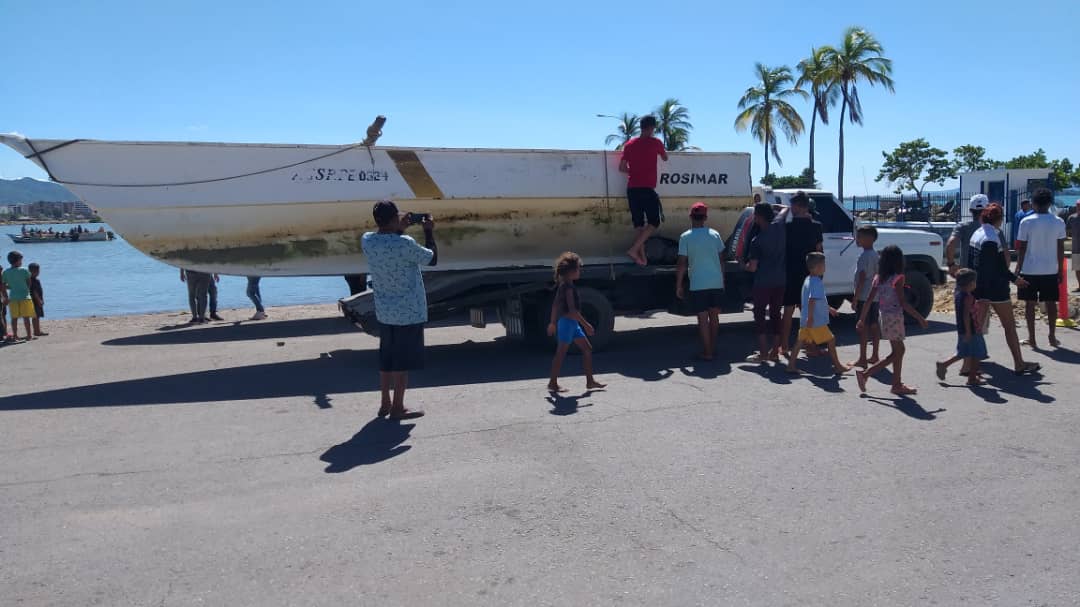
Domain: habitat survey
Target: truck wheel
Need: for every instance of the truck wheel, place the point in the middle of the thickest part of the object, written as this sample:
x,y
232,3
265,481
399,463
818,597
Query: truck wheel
x,y
660,251
597,309
919,292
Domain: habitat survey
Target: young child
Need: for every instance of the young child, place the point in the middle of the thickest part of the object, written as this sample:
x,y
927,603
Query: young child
x,y
17,281
814,324
567,322
888,291
37,295
865,270
970,344
4,336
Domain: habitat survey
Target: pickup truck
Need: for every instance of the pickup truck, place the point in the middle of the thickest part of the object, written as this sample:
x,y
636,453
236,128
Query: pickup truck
x,y
521,296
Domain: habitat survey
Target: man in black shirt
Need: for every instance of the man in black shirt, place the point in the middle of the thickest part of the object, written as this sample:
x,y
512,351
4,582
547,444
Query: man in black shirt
x,y
803,236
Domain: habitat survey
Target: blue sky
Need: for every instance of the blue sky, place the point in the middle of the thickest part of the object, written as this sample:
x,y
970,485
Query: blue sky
x,y
531,75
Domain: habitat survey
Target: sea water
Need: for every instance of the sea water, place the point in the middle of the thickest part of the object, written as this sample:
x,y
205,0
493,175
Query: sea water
x,y
113,278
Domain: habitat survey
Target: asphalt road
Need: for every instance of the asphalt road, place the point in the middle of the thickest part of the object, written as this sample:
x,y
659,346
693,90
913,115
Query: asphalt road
x,y
242,465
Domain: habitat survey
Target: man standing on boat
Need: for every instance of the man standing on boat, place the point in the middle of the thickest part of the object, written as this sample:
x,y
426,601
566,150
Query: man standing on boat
x,y
394,262
639,163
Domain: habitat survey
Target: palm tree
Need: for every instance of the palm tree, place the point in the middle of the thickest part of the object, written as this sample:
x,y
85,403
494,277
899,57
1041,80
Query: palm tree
x,y
814,73
629,128
859,57
765,109
673,121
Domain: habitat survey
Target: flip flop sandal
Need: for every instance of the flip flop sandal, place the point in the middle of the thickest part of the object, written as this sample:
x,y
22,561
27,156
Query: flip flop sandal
x,y
1028,369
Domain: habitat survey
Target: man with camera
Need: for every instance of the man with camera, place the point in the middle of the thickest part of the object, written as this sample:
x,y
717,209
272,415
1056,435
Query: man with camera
x,y
394,261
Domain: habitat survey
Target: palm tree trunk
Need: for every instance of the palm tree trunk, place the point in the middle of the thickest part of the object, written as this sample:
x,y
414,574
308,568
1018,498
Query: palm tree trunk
x,y
840,175
813,125
766,156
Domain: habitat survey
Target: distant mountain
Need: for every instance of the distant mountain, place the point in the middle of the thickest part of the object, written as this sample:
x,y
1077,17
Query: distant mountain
x,y
21,191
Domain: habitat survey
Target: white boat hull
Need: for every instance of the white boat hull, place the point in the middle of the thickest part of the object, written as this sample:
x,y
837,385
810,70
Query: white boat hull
x,y
288,210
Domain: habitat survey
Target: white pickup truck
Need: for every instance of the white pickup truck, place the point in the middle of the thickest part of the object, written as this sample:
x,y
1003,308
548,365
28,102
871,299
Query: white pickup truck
x,y
922,250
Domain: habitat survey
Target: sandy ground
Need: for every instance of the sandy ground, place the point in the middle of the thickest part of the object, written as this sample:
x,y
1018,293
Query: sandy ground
x,y
240,463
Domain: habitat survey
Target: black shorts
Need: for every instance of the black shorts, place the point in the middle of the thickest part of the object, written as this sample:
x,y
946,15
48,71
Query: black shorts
x,y
401,347
871,315
705,300
39,310
793,289
644,205
1041,287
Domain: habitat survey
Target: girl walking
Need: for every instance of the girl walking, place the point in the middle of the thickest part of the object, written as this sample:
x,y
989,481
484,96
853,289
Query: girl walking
x,y
888,290
568,323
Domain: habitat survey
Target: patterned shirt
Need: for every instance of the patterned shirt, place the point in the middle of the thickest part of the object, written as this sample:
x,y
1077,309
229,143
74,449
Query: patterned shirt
x,y
394,262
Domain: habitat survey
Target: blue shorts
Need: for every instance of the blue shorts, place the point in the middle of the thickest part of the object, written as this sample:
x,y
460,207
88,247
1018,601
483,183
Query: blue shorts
x,y
569,330
976,348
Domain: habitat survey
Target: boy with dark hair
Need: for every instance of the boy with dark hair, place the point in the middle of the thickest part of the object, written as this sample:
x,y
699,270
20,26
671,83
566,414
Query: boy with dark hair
x,y
639,163
17,282
865,270
394,261
37,295
767,262
814,330
1041,251
701,250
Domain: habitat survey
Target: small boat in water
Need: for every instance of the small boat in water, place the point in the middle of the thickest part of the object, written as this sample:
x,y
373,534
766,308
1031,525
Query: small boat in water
x,y
40,237
295,210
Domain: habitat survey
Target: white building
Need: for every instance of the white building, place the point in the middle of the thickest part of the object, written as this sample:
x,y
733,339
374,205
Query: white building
x,y
1004,185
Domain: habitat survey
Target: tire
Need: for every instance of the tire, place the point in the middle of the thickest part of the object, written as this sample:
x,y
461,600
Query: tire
x,y
919,292
596,308
660,251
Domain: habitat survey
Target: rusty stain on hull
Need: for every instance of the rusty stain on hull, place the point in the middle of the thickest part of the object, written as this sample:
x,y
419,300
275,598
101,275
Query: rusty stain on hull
x,y
475,232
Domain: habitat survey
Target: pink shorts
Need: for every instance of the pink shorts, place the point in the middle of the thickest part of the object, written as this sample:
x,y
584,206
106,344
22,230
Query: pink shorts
x,y
892,326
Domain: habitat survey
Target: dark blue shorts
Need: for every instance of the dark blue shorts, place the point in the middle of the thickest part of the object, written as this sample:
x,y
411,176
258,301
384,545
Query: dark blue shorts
x,y
976,348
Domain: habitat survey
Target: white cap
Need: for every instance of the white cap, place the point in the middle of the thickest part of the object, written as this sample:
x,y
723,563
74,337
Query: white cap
x,y
978,202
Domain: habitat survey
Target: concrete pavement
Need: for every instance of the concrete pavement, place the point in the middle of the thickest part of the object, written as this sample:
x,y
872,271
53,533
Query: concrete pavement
x,y
242,465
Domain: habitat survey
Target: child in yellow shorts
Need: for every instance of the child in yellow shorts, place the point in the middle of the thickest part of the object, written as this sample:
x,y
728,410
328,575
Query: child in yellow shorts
x,y
814,324
17,282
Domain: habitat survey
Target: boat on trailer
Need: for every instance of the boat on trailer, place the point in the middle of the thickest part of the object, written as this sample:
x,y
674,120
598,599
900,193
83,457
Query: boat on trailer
x,y
296,210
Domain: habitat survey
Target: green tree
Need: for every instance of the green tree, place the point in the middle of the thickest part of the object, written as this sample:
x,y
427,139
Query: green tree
x,y
859,57
814,74
803,181
968,158
673,122
1061,173
765,109
630,126
1034,160
913,162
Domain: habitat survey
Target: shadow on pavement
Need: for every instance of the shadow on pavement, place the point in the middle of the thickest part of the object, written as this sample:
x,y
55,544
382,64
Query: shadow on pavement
x,y
378,441
214,333
650,354
563,405
906,405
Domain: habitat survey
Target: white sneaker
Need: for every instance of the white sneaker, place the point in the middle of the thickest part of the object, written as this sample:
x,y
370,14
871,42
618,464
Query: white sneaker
x,y
259,316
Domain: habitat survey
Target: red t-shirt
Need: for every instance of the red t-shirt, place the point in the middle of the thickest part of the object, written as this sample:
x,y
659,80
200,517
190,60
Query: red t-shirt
x,y
640,154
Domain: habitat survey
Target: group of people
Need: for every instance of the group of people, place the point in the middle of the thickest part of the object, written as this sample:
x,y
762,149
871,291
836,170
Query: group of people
x,y
21,293
203,296
786,258
72,234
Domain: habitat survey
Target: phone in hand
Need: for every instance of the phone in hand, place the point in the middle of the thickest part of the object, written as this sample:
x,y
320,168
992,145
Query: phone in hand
x,y
415,218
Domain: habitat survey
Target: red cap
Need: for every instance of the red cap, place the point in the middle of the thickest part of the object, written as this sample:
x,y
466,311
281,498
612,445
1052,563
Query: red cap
x,y
700,209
